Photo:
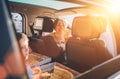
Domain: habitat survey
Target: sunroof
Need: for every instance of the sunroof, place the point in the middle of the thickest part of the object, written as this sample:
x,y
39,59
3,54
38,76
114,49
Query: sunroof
x,y
55,4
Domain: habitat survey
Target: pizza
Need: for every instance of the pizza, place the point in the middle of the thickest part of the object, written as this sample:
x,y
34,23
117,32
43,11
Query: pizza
x,y
60,73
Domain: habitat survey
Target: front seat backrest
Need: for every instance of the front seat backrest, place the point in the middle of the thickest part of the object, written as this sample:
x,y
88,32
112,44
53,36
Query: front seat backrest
x,y
84,49
41,24
88,27
52,50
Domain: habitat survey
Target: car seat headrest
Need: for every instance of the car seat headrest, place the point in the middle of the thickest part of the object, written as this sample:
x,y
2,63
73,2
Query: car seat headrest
x,y
88,27
47,25
41,24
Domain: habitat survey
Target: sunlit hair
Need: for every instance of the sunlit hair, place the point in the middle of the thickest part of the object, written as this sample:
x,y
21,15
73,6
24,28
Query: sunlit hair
x,y
57,20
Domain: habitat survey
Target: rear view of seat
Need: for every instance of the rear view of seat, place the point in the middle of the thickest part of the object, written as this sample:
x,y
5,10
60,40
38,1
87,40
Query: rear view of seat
x,y
37,45
44,44
45,25
84,49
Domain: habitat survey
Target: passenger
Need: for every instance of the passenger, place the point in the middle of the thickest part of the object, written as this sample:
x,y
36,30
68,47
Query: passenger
x,y
61,34
23,41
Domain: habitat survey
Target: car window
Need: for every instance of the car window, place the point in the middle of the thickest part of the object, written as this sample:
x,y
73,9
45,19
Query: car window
x,y
108,38
18,21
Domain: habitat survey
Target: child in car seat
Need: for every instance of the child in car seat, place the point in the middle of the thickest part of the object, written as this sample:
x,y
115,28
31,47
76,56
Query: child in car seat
x,y
23,42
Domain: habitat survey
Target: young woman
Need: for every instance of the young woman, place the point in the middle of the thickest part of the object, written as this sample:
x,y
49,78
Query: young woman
x,y
60,35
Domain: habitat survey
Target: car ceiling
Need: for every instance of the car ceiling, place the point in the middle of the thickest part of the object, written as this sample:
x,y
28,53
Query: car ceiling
x,y
54,4
65,7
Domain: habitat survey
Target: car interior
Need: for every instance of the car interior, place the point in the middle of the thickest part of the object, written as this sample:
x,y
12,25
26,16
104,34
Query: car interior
x,y
92,50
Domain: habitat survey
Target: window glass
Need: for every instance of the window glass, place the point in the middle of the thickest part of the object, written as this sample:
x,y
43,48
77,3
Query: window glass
x,y
69,18
38,23
18,21
108,39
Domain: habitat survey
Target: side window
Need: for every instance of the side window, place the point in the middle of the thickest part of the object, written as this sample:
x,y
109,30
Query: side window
x,y
109,39
18,21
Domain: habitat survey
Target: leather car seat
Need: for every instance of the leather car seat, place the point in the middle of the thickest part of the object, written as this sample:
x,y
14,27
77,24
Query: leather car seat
x,y
84,49
37,44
